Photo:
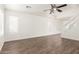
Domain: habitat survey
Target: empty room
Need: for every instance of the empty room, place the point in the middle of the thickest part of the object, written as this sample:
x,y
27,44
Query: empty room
x,y
39,28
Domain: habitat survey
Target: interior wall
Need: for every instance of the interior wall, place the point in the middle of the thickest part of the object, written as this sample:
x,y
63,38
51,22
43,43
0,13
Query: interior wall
x,y
28,25
71,29
1,26
20,25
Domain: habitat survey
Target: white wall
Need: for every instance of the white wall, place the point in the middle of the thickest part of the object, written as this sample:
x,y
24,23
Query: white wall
x,y
1,26
71,29
29,25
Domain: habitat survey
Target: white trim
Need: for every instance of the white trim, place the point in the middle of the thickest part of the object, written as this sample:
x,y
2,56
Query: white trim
x,y
31,37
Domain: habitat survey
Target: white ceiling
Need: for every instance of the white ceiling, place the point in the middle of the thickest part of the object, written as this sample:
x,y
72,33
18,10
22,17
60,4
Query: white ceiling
x,y
71,9
22,7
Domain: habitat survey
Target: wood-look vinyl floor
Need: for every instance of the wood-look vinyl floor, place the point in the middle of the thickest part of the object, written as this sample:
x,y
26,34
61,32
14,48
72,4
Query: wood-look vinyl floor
x,y
52,44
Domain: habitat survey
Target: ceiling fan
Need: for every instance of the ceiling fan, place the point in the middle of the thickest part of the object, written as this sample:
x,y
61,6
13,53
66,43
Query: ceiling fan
x,y
55,8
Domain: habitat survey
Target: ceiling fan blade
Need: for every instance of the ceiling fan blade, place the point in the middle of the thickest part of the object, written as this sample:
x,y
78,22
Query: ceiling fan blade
x,y
51,11
62,6
59,10
51,5
54,5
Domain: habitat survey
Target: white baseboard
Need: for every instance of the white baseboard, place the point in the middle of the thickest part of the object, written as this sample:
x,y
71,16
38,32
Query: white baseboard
x,y
24,37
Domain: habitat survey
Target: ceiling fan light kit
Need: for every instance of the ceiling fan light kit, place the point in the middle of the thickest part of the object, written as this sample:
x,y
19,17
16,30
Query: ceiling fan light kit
x,y
55,8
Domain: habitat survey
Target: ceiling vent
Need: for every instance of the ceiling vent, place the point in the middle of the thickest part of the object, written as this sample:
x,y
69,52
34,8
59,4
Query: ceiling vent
x,y
28,6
